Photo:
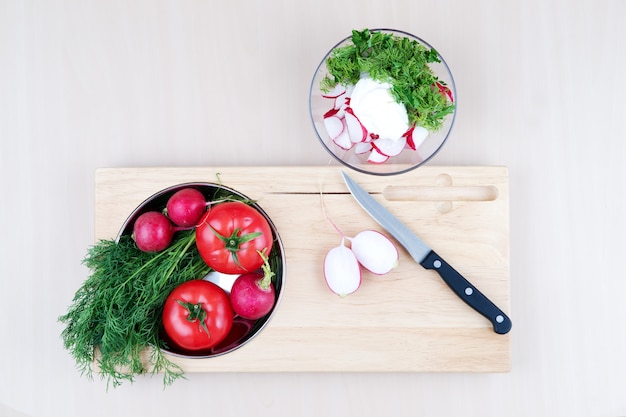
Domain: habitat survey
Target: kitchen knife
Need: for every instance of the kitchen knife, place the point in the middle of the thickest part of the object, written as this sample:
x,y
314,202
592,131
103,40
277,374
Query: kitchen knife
x,y
426,257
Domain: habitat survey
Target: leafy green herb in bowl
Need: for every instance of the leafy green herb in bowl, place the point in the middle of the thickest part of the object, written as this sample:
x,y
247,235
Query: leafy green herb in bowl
x,y
382,101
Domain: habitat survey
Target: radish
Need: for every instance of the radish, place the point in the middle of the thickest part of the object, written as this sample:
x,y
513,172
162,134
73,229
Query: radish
x,y
341,270
334,126
185,207
252,295
356,130
335,92
374,251
389,147
343,140
376,157
152,231
362,147
360,108
415,136
342,265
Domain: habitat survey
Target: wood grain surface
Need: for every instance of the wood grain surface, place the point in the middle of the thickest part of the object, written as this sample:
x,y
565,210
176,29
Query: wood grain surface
x,y
407,320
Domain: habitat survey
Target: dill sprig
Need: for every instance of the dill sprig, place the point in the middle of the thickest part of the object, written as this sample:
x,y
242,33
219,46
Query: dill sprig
x,y
115,315
400,61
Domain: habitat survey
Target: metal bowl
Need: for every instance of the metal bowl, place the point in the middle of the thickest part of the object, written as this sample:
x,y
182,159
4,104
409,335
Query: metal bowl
x,y
408,159
243,330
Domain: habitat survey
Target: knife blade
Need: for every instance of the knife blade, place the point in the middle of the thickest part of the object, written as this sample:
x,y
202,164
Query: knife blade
x,y
429,259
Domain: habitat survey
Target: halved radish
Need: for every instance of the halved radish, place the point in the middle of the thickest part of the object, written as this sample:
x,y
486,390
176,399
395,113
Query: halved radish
x,y
375,251
357,132
341,270
389,147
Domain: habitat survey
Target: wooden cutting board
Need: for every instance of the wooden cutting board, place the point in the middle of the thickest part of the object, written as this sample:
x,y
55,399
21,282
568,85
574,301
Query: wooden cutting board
x,y
405,321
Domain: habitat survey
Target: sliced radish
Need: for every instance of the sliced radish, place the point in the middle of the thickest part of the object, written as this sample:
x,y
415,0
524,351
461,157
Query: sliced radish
x,y
375,251
335,92
389,147
415,136
341,270
341,103
330,113
377,157
334,126
362,147
357,132
343,140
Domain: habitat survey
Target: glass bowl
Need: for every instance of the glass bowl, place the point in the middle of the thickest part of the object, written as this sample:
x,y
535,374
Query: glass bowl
x,y
335,127
243,330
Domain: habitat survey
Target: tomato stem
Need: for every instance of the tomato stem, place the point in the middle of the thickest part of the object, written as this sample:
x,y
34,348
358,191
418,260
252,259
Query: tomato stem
x,y
233,242
196,313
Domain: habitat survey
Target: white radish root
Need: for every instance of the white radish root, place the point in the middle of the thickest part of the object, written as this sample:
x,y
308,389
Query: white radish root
x,y
341,270
375,251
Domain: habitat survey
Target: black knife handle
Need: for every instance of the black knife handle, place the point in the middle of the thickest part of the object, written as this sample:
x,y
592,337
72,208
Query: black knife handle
x,y
468,293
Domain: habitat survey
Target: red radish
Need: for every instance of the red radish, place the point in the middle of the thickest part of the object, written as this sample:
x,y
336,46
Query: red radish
x,y
445,91
389,147
330,113
152,231
343,140
341,270
356,130
377,157
374,251
342,265
341,103
415,136
252,295
185,207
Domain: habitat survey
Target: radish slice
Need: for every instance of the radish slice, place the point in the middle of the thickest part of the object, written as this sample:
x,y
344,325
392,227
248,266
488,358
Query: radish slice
x,y
389,147
334,126
415,136
375,251
357,132
341,103
362,147
343,140
341,270
377,157
335,92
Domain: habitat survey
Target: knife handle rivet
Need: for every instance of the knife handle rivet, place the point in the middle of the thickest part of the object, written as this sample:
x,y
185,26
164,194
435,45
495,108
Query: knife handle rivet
x,y
469,291
437,264
499,318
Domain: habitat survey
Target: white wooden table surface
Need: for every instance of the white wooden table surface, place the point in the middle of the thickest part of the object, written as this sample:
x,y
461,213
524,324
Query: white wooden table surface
x,y
189,83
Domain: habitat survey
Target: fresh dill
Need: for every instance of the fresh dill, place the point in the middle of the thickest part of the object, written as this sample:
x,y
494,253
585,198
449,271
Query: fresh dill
x,y
400,61
115,315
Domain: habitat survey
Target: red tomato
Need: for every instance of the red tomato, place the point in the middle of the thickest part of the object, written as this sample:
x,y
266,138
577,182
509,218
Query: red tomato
x,y
197,315
229,236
